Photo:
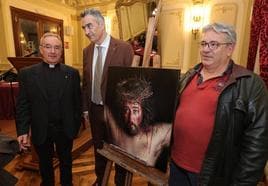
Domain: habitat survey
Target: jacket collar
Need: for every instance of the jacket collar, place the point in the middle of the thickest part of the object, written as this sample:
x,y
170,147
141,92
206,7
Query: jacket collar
x,y
237,72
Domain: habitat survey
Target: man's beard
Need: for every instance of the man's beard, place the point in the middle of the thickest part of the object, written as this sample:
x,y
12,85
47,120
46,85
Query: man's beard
x,y
132,129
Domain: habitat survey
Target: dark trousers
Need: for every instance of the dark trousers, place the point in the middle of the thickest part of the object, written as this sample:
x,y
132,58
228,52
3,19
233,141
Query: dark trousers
x,y
181,177
45,154
99,134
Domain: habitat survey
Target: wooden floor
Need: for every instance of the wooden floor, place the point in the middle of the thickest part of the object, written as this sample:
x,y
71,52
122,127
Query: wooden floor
x,y
83,166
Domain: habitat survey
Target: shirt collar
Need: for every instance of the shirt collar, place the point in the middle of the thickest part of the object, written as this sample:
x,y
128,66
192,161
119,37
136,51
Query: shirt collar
x,y
227,71
105,42
51,66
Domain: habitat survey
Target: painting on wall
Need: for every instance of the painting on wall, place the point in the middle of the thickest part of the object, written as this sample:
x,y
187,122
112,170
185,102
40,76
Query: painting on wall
x,y
139,110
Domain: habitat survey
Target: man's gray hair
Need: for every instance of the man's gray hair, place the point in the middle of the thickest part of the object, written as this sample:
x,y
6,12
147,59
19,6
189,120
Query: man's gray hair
x,y
222,28
50,34
93,12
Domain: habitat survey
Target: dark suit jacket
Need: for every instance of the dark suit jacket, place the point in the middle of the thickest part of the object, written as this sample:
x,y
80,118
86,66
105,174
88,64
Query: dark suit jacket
x,y
32,104
119,53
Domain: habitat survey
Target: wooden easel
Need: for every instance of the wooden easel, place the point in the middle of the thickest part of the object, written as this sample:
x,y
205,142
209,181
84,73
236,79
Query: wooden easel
x,y
113,154
149,41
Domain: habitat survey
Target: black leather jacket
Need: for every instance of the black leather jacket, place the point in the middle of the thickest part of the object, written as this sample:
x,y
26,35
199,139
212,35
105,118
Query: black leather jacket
x,y
238,148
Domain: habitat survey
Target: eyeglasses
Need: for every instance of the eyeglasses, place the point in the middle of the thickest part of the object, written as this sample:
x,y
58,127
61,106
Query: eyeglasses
x,y
212,45
49,47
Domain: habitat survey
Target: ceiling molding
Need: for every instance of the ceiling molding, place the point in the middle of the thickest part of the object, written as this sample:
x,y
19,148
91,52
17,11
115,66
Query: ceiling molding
x,y
198,1
81,3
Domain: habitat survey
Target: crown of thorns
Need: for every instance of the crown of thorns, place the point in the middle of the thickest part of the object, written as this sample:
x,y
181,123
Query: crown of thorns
x,y
135,89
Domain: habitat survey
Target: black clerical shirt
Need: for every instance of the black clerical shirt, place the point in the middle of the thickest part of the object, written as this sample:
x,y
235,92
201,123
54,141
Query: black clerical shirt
x,y
53,86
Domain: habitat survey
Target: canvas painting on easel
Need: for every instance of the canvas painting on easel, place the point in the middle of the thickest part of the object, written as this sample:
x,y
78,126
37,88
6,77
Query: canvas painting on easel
x,y
140,105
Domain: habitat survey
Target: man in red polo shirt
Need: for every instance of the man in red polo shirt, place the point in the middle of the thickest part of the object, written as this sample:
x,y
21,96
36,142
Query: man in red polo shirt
x,y
220,134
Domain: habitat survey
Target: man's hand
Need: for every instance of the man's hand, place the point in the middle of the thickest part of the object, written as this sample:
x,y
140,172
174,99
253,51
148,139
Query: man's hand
x,y
24,142
85,115
86,118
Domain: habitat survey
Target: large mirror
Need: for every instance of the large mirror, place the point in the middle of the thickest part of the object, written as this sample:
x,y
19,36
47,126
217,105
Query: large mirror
x,y
28,38
133,20
132,17
28,27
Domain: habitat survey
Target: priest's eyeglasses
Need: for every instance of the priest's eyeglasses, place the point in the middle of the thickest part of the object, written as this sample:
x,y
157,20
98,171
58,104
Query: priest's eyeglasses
x,y
212,45
49,47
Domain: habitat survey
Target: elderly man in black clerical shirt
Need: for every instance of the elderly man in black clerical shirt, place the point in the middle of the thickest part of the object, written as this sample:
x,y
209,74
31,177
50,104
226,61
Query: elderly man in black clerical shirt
x,y
49,105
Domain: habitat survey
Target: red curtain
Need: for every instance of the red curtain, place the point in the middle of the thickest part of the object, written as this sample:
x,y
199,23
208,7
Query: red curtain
x,y
259,36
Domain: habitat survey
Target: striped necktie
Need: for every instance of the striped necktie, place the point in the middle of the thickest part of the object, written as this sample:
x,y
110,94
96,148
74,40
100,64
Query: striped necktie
x,y
97,78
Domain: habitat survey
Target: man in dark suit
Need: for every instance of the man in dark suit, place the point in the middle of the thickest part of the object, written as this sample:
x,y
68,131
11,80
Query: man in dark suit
x,y
105,51
49,105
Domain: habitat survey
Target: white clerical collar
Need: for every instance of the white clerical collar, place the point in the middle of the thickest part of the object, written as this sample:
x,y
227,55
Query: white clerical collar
x,y
51,65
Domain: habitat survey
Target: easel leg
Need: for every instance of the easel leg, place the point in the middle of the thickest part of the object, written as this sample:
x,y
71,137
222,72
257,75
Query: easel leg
x,y
107,173
131,166
128,179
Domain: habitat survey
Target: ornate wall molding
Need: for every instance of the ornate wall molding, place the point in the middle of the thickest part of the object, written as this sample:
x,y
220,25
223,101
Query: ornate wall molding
x,y
172,38
224,12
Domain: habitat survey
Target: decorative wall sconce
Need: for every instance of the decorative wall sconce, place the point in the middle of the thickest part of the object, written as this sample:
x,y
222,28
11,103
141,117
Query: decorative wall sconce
x,y
152,8
197,16
53,29
154,12
22,38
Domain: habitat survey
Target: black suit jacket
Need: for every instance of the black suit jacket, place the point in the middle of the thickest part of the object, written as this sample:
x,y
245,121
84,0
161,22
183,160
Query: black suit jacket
x,y
32,104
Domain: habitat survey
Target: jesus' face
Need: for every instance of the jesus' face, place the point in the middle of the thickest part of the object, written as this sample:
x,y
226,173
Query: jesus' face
x,y
133,116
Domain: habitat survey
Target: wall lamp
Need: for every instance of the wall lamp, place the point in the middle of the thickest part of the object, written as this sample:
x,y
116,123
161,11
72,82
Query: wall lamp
x,y
197,17
22,38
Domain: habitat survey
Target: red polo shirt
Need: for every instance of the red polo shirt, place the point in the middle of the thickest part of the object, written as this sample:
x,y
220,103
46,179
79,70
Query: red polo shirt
x,y
194,123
